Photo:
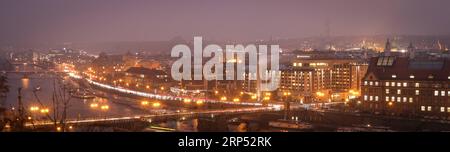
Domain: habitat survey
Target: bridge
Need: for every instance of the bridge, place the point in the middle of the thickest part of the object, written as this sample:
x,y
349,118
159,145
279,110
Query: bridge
x,y
153,117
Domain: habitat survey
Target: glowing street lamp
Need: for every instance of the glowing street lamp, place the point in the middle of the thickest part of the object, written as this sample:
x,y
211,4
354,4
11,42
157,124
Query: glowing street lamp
x,y
93,105
199,102
104,107
236,100
223,98
156,105
44,110
286,93
34,109
187,100
144,103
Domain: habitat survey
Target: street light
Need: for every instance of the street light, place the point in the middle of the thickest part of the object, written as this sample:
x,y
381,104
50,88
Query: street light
x,y
104,107
144,103
34,109
187,100
286,93
93,105
156,105
44,111
199,102
223,98
236,100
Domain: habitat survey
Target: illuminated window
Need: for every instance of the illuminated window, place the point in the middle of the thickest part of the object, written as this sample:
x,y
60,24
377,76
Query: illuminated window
x,y
387,98
392,98
448,109
365,97
411,100
370,83
417,92
393,84
405,99
436,93
399,99
448,93
376,83
365,82
371,98
394,76
411,76
399,84
387,91
399,91
429,108
422,108
417,85
376,98
442,93
387,84
405,84
442,109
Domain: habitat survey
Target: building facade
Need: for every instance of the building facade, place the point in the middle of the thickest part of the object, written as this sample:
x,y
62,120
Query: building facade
x,y
315,80
407,86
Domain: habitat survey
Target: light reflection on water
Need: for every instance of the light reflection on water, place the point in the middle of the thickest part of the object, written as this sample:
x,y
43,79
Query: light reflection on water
x,y
78,108
25,83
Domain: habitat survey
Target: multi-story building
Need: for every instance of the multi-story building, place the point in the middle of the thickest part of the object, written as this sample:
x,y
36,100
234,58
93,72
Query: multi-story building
x,y
146,79
407,85
311,80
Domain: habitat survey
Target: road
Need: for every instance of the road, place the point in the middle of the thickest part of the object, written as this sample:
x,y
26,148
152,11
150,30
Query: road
x,y
178,114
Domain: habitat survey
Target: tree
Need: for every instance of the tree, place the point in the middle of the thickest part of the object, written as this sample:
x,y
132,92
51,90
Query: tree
x,y
4,88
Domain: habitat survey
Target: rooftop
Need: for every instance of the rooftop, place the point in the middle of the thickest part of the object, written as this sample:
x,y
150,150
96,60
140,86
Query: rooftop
x,y
402,68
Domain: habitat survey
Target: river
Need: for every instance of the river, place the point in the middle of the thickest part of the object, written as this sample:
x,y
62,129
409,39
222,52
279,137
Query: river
x,y
78,108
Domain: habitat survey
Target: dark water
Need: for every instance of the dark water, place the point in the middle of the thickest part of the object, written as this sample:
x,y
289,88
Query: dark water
x,y
78,108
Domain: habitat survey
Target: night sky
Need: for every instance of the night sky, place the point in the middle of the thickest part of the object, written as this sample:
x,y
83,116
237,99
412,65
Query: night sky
x,y
150,20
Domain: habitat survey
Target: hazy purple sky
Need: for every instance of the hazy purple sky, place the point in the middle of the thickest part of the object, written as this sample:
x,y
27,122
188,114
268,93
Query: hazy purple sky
x,y
142,20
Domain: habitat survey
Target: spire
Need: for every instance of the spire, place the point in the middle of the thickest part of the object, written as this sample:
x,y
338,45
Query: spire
x,y
439,45
411,51
387,49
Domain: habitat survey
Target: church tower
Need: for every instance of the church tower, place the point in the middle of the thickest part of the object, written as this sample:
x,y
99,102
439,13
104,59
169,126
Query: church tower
x,y
411,51
388,48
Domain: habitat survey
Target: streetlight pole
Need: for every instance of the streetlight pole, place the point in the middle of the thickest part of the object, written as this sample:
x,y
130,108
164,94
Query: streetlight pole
x,y
287,104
